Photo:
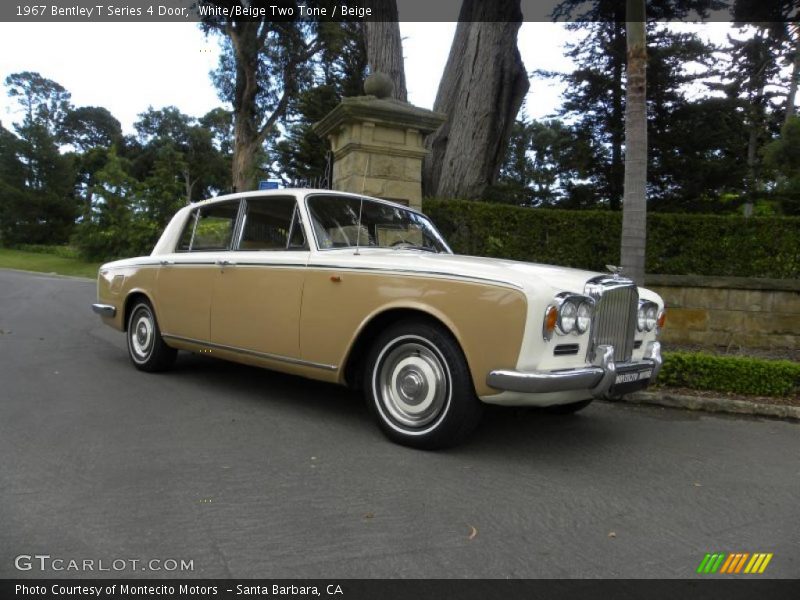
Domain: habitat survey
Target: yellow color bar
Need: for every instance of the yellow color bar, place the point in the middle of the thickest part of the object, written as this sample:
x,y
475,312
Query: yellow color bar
x,y
754,562
765,563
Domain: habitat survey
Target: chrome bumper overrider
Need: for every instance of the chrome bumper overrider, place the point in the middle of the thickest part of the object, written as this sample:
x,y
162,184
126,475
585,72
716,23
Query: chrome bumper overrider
x,y
104,310
599,378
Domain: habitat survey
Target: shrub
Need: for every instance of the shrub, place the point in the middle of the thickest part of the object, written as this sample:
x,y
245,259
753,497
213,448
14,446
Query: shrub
x,y
677,244
734,374
61,251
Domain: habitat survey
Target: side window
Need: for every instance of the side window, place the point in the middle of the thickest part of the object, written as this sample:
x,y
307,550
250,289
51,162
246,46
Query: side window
x,y
209,228
185,241
272,224
214,229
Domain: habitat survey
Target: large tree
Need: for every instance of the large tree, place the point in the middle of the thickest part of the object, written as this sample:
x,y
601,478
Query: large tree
x,y
173,145
91,131
47,209
783,157
384,44
12,184
263,65
594,101
481,91
755,65
302,158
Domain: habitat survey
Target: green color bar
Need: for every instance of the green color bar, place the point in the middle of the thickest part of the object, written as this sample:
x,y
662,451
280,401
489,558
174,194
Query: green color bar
x,y
701,568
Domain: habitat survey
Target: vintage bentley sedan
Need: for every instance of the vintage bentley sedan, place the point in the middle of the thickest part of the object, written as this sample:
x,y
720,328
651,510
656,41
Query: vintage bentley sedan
x,y
366,293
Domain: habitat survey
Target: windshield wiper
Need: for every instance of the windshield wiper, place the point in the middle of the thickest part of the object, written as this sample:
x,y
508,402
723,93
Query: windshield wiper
x,y
410,246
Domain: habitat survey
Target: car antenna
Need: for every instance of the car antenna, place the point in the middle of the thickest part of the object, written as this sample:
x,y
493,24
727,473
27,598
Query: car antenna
x,y
361,206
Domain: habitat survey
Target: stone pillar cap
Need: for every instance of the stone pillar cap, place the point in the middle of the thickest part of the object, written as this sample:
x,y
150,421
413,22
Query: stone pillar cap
x,y
382,110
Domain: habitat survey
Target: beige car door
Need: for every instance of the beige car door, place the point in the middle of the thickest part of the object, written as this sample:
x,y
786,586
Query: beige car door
x,y
186,277
257,295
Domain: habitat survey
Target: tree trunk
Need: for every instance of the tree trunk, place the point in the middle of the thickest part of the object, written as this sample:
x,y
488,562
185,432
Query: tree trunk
x,y
790,100
188,185
634,208
246,43
757,119
384,45
481,92
617,171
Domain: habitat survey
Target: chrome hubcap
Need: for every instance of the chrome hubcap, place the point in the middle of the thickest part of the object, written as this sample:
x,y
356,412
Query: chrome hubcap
x,y
141,333
412,384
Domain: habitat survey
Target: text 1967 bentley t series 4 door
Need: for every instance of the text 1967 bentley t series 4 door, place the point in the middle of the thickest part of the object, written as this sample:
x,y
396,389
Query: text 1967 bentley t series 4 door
x,y
363,292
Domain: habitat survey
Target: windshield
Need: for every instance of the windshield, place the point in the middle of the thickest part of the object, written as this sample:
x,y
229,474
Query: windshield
x,y
335,220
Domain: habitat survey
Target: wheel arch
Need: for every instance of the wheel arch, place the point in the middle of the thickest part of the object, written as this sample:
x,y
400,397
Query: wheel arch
x,y
362,340
130,300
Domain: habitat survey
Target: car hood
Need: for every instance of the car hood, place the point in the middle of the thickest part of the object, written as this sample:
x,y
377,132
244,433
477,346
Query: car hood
x,y
524,275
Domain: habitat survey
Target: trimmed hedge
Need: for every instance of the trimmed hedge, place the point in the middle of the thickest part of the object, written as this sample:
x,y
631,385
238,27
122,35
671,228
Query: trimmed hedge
x,y
677,244
734,374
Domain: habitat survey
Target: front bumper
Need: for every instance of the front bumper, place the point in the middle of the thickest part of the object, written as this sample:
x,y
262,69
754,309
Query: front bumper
x,y
603,378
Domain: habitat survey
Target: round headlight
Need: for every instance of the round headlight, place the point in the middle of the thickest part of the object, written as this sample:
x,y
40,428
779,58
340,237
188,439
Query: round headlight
x,y
641,317
650,317
584,317
567,317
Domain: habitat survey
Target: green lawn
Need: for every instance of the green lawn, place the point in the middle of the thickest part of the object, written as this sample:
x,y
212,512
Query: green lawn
x,y
46,263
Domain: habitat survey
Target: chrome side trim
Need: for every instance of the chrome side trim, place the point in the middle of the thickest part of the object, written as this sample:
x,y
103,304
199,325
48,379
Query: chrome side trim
x,y
265,355
401,272
104,310
412,273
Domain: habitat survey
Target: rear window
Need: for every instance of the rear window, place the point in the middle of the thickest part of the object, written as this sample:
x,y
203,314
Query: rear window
x,y
209,228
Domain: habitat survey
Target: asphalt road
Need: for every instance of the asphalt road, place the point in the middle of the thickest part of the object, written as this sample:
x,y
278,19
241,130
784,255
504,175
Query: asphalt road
x,y
249,473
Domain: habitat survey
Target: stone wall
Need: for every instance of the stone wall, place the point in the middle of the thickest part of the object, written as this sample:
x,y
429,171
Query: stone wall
x,y
730,311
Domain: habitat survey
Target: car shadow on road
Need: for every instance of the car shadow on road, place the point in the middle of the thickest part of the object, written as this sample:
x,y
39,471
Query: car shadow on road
x,y
505,431
247,383
533,431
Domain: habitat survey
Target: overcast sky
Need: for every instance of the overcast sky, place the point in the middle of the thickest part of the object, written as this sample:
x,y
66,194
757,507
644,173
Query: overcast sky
x,y
126,67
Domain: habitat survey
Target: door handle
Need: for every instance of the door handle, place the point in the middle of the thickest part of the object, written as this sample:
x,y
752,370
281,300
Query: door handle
x,y
226,263
166,262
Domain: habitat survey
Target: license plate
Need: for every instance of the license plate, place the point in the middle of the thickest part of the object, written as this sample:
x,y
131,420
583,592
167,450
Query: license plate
x,y
635,376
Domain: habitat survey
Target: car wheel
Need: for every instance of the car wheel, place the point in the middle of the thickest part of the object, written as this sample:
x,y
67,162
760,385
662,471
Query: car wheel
x,y
146,347
419,388
568,409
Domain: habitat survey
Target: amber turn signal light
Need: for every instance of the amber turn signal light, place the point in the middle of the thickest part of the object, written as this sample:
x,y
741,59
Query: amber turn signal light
x,y
662,318
550,321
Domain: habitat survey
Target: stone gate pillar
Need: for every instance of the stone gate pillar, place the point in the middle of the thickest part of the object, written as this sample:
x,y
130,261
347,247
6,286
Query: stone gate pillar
x,y
378,143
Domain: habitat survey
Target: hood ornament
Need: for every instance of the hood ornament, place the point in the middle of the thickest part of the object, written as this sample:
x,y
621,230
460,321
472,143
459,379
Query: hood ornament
x,y
615,271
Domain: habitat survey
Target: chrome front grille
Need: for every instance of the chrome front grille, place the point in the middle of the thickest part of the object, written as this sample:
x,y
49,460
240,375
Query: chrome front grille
x,y
615,316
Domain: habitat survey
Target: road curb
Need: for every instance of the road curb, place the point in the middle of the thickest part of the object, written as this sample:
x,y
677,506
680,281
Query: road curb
x,y
716,405
47,274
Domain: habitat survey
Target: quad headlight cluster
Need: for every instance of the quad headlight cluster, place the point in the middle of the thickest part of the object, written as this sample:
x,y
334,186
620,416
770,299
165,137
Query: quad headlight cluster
x,y
569,313
649,317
